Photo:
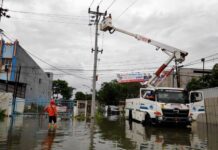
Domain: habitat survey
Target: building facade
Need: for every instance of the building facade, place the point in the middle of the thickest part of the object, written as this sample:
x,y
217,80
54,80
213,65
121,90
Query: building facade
x,y
185,75
20,74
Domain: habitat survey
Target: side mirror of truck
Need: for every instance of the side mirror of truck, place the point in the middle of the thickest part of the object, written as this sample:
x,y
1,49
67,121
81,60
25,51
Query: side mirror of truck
x,y
195,96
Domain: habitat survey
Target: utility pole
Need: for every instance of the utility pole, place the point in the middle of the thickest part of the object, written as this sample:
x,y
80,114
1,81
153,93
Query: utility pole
x,y
97,18
177,75
203,60
3,12
17,78
6,70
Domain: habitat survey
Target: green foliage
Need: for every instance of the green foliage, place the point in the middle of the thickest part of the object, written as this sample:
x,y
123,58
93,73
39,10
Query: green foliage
x,y
81,96
208,81
61,87
214,76
194,84
99,114
113,92
80,117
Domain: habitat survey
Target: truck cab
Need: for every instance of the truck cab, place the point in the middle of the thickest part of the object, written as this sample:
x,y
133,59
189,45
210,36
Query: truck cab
x,y
160,105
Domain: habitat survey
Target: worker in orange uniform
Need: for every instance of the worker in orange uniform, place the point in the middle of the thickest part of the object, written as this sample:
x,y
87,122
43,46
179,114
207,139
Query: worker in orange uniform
x,y
52,113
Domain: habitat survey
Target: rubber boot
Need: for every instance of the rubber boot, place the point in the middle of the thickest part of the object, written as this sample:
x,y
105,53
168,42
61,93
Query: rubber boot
x,y
55,126
49,126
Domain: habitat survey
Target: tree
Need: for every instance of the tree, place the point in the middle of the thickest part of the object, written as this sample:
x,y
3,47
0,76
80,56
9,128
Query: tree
x,y
208,81
80,96
214,76
61,87
194,84
111,93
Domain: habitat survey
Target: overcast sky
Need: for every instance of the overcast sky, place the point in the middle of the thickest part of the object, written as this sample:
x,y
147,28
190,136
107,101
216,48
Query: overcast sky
x,y
57,32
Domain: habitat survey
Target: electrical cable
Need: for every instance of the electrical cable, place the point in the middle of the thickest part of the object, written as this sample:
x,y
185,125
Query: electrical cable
x,y
51,21
7,37
199,60
91,3
111,4
47,14
54,66
126,9
2,3
100,2
1,8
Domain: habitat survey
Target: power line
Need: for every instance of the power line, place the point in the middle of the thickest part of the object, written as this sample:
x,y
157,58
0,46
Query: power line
x,y
100,2
105,70
126,9
199,60
3,12
2,3
54,66
38,20
129,63
91,3
47,14
111,4
2,33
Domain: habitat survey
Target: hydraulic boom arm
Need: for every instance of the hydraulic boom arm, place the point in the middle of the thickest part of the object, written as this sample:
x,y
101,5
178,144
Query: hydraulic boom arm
x,y
172,52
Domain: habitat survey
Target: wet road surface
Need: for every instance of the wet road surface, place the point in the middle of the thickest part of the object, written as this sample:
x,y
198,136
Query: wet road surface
x,y
111,133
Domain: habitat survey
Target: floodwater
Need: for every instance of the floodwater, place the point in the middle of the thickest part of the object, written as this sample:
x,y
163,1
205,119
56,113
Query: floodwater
x,y
111,133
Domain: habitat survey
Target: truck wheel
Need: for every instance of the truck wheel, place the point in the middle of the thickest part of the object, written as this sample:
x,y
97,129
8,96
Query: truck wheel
x,y
147,121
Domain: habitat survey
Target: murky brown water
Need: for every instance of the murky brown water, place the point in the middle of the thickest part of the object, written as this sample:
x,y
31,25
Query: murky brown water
x,y
114,133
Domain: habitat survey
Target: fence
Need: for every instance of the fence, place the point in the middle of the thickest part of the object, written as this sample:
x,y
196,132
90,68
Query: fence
x,y
211,106
36,107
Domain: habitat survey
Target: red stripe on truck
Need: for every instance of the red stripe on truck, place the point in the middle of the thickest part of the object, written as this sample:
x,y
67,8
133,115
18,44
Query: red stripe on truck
x,y
158,72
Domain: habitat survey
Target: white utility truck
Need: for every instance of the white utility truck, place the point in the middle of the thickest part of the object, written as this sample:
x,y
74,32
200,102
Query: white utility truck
x,y
157,104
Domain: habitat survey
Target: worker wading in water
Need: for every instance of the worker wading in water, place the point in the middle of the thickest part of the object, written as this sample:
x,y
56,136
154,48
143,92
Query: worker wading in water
x,y
52,113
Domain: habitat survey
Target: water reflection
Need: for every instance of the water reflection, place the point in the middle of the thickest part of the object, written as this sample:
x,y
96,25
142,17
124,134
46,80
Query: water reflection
x,y
108,133
131,135
164,137
113,134
48,141
10,132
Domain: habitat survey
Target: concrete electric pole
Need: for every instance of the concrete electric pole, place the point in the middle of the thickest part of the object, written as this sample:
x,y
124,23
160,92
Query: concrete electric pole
x,y
97,18
3,12
203,60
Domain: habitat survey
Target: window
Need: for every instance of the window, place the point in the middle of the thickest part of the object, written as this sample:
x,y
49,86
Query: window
x,y
81,105
196,97
148,94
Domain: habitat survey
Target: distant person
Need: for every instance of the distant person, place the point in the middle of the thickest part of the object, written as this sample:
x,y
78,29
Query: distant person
x,y
150,96
52,113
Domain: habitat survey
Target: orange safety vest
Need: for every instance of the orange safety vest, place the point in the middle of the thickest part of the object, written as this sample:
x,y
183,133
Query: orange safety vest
x,y
52,110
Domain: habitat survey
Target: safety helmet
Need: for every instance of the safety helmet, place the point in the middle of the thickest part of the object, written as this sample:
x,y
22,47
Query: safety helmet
x,y
52,102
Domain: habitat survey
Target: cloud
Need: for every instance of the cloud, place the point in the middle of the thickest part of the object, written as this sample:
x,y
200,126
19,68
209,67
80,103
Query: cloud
x,y
66,42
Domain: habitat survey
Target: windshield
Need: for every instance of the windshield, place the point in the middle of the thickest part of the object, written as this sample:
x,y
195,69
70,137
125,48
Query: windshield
x,y
172,96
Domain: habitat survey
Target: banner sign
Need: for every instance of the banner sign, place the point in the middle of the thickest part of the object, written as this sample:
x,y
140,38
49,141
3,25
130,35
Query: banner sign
x,y
133,77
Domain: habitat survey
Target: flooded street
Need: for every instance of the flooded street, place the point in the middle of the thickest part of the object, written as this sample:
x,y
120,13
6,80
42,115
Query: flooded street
x,y
29,133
